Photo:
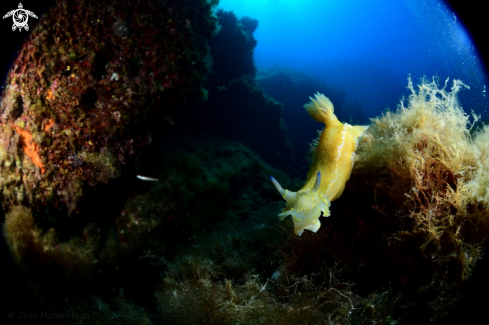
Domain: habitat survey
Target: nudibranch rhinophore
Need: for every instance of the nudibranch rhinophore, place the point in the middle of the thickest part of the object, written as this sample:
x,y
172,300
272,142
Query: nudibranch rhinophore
x,y
330,169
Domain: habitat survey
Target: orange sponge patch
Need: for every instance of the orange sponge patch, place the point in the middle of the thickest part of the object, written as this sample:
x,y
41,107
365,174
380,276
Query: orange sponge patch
x,y
49,125
31,149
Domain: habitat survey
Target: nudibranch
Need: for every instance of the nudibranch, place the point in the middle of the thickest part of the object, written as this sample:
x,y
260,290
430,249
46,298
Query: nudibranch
x,y
330,169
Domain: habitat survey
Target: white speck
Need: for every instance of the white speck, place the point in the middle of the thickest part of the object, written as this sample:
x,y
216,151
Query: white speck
x,y
114,76
147,178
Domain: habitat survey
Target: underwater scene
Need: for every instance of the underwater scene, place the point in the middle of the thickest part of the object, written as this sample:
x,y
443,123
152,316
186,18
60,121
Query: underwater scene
x,y
242,162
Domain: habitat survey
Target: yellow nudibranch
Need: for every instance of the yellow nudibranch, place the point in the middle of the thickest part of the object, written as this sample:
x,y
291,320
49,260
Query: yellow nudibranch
x,y
330,169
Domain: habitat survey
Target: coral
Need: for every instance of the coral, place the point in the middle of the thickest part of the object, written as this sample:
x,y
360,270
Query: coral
x,y
93,84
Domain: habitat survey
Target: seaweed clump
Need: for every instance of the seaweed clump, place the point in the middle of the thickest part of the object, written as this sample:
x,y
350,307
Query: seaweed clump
x,y
231,276
203,183
420,217
431,174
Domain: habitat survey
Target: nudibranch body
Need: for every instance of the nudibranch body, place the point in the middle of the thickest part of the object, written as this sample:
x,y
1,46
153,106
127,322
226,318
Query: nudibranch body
x,y
330,169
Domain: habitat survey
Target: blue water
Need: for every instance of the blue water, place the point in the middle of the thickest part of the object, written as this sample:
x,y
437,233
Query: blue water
x,y
368,48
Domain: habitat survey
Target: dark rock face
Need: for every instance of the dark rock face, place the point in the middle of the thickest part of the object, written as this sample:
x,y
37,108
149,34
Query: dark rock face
x,y
237,108
83,100
94,82
232,48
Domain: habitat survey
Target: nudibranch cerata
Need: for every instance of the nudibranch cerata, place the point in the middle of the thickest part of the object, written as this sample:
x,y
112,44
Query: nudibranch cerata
x,y
330,169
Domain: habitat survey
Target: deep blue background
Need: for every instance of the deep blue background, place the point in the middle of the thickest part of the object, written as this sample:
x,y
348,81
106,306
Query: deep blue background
x,y
368,48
